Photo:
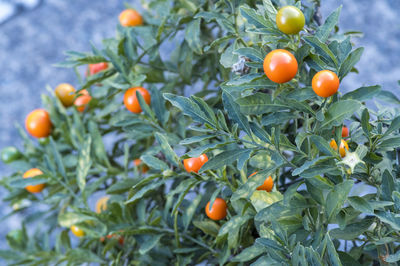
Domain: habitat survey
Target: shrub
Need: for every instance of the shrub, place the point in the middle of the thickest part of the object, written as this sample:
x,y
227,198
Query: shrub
x,y
307,202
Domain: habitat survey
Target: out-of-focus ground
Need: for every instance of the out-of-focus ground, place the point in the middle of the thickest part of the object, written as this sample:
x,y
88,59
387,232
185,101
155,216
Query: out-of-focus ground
x,y
31,42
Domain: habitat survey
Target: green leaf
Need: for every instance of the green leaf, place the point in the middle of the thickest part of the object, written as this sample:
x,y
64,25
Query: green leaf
x,y
337,197
322,145
350,62
393,257
333,256
154,163
233,110
363,93
149,242
388,186
250,253
269,243
189,108
80,256
58,158
224,158
325,30
166,149
322,49
208,227
360,204
259,103
97,143
195,139
351,231
192,36
144,190
394,126
339,111
69,219
84,163
254,18
390,218
262,199
304,256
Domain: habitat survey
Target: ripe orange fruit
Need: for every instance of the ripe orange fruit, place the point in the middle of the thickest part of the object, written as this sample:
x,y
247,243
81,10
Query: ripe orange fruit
x,y
77,231
101,204
342,149
33,188
95,68
203,159
280,66
109,236
194,164
82,101
38,123
66,93
138,163
325,83
345,132
218,209
130,18
267,185
131,101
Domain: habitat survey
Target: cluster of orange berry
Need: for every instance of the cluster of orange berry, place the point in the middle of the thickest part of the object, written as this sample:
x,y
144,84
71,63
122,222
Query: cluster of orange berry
x,y
38,122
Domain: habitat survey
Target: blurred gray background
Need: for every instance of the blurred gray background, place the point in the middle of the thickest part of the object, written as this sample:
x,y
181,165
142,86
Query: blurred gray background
x,y
35,38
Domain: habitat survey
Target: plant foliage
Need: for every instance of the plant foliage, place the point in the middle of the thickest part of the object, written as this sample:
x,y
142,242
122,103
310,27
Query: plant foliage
x,y
202,62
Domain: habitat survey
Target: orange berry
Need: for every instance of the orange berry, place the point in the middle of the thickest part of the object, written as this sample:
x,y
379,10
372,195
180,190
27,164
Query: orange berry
x,y
33,188
66,93
218,209
77,231
82,101
345,132
38,123
267,185
131,101
95,68
280,66
130,18
138,163
203,159
325,83
342,149
192,164
101,204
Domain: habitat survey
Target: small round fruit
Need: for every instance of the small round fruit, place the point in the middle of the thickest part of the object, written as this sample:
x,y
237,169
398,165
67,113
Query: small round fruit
x,y
138,163
218,209
325,83
342,149
96,68
101,204
77,231
132,102
38,123
192,164
345,132
66,93
33,188
10,154
203,159
280,66
267,185
82,101
130,18
290,20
